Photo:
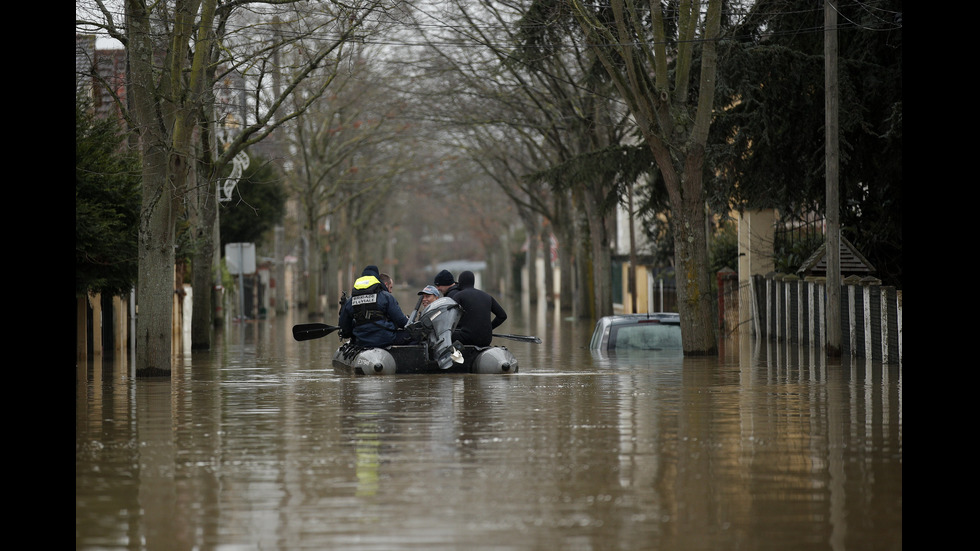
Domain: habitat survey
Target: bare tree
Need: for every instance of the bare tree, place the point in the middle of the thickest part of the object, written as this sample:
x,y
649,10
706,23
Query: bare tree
x,y
523,106
175,50
634,45
349,153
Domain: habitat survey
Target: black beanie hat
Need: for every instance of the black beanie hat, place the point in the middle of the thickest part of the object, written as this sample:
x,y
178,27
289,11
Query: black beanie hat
x,y
444,278
371,270
466,279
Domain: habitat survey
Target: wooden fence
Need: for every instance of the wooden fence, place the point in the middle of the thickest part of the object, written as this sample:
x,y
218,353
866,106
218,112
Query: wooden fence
x,y
789,309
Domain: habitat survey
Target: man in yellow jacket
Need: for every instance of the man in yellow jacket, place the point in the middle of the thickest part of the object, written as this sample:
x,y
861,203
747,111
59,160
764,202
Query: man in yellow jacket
x,y
371,315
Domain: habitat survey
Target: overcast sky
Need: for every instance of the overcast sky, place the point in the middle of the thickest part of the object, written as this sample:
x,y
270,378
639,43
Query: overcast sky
x,y
106,43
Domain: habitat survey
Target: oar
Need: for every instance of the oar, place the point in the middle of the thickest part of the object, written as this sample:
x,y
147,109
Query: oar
x,y
522,338
310,331
415,313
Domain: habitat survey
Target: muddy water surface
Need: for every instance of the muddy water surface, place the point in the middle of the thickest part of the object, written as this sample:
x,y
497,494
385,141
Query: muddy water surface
x,y
258,444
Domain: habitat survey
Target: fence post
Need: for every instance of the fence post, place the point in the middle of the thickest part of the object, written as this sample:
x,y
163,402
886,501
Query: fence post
x,y
898,321
822,314
789,284
800,312
767,326
885,353
866,292
778,284
851,324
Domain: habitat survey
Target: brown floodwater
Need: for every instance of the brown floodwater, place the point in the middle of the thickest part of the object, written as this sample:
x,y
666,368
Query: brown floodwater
x,y
258,444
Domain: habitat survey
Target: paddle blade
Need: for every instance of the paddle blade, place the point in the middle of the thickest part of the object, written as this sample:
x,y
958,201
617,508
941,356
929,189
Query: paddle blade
x,y
522,338
310,331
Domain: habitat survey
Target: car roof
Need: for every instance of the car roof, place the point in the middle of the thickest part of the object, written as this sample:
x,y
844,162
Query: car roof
x,y
662,317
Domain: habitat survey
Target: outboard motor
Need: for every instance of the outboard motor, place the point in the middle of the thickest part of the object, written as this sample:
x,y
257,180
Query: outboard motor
x,y
439,320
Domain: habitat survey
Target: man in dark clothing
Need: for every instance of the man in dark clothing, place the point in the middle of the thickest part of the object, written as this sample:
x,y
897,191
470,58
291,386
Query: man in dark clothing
x,y
372,315
475,326
445,283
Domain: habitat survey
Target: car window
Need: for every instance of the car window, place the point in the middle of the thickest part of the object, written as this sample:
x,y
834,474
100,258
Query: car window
x,y
596,337
645,336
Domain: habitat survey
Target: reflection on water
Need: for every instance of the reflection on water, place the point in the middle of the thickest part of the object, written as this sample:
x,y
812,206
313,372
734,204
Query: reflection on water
x,y
258,444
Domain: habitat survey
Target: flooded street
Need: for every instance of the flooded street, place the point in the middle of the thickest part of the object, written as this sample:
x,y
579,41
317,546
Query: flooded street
x,y
259,445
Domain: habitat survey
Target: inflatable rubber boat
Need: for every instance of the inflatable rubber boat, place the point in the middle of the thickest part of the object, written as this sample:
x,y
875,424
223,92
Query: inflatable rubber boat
x,y
435,353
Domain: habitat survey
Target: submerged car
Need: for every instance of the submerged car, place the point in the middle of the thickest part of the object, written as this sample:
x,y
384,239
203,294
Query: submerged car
x,y
654,331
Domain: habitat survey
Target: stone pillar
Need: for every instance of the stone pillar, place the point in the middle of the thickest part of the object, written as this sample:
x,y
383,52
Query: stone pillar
x,y
755,250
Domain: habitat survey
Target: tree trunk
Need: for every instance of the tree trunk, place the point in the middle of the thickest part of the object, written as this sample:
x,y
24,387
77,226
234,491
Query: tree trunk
x,y
566,252
693,282
203,271
531,261
204,225
601,267
549,269
155,288
581,243
601,276
505,267
313,306
154,296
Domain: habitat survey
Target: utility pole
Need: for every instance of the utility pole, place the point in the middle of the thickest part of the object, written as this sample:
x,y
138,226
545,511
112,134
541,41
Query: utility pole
x,y
632,272
831,103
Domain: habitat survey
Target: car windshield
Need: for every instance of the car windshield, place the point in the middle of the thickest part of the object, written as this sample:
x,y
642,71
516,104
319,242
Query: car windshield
x,y
645,336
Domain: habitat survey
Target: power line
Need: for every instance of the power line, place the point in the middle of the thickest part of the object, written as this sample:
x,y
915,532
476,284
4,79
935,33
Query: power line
x,y
397,27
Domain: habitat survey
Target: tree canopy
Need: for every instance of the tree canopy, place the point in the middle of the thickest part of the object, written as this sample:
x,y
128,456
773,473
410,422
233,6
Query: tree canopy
x,y
107,206
772,71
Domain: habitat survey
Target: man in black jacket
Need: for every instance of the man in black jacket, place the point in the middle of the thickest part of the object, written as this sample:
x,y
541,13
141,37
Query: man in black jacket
x,y
475,326
445,283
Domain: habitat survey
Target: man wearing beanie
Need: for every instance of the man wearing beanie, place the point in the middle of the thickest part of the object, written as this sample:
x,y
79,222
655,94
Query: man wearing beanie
x,y
445,283
475,326
372,315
